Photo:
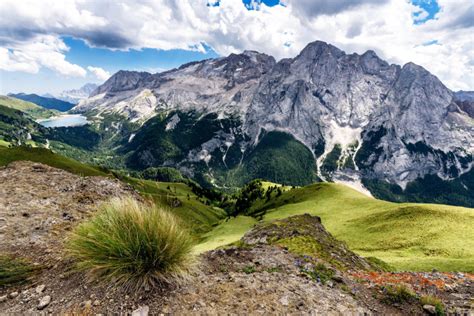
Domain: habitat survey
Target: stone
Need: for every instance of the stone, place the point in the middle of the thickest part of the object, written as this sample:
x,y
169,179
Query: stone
x,y
284,301
86,304
141,311
40,288
3,298
13,294
45,301
96,303
338,277
430,309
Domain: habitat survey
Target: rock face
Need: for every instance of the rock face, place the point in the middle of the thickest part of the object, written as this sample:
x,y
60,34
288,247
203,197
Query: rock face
x,y
360,116
465,101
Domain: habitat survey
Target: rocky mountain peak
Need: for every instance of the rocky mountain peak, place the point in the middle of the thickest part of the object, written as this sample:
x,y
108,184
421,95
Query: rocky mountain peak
x,y
320,49
121,81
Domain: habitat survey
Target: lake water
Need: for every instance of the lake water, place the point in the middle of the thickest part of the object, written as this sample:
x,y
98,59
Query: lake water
x,y
64,121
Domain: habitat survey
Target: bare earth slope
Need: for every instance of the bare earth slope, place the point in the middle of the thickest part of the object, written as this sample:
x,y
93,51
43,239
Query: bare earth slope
x,y
39,203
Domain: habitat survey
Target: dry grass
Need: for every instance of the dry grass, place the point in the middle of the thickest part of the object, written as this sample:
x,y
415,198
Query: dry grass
x,y
15,270
132,244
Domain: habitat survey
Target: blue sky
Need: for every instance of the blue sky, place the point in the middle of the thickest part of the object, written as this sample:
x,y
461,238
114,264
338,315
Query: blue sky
x,y
430,9
87,41
146,59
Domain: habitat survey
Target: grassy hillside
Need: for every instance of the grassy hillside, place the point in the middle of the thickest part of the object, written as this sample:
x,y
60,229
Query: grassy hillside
x,y
408,236
47,103
32,109
47,157
179,198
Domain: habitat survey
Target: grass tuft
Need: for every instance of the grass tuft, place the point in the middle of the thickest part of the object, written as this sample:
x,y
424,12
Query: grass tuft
x,y
399,294
434,301
249,269
132,244
319,273
14,270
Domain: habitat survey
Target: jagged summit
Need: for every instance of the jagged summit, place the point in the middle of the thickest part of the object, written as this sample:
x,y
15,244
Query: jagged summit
x,y
121,81
317,49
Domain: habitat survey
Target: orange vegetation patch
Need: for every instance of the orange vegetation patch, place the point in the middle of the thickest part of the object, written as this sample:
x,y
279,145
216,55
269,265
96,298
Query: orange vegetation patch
x,y
417,281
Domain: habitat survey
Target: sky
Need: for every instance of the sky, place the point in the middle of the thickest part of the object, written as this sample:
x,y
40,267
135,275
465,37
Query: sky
x,y
49,46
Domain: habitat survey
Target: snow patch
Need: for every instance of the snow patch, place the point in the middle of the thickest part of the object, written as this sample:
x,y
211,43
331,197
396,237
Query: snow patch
x,y
345,136
172,122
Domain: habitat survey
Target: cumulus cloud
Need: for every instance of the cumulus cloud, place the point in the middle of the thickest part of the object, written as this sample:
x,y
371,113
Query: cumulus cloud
x,y
42,51
313,8
100,73
385,26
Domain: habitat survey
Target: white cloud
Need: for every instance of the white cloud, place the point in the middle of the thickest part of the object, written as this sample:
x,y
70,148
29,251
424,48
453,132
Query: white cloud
x,y
282,31
100,73
42,51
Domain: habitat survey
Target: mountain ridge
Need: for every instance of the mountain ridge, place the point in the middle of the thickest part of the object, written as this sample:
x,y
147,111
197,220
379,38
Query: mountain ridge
x,y
47,103
374,111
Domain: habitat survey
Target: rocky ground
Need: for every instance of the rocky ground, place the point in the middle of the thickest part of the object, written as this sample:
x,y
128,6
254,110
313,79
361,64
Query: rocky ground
x,y
288,266
38,204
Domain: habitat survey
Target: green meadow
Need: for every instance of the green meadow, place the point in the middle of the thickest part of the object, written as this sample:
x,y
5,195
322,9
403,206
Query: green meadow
x,y
408,236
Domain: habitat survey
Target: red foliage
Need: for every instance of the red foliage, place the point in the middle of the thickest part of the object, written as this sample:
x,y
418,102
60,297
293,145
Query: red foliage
x,y
417,281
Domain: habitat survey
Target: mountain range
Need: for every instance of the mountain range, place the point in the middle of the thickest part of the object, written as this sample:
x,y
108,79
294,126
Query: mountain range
x,y
323,114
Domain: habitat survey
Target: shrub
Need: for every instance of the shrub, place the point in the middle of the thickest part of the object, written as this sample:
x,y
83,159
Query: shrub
x,y
14,270
132,244
319,273
436,302
163,174
399,294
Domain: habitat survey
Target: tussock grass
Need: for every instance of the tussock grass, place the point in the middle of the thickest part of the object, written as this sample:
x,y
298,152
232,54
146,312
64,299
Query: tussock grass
x,y
434,301
132,244
15,270
399,294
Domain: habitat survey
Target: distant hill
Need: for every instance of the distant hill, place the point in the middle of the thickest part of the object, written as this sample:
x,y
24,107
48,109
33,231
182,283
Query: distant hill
x,y
32,109
47,103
